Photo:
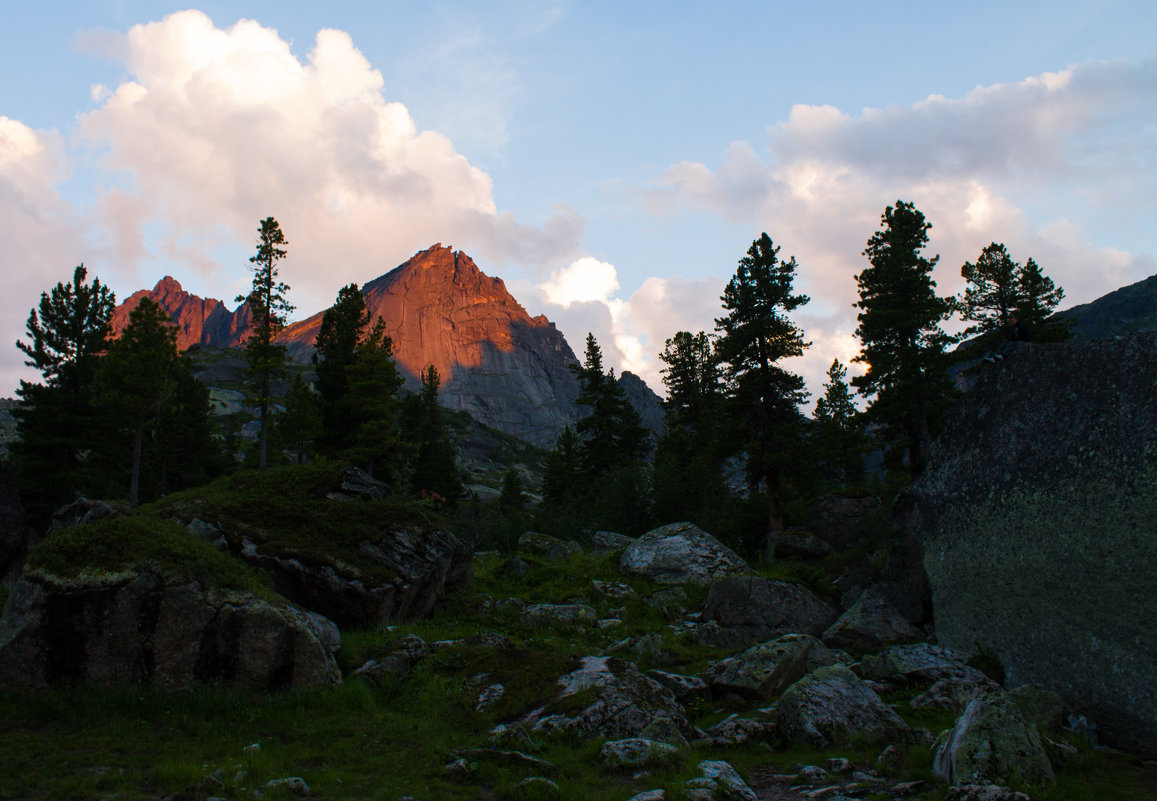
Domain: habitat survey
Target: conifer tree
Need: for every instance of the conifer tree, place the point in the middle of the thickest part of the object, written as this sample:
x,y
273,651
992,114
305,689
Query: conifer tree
x,y
755,336
839,433
372,400
342,328
137,377
902,342
435,467
58,422
269,310
1038,297
300,424
612,433
998,289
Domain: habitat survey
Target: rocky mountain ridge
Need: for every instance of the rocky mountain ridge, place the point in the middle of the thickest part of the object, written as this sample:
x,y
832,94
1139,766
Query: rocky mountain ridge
x,y
508,369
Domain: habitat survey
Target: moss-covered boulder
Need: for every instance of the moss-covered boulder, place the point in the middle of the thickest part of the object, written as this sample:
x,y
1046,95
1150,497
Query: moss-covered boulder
x,y
992,742
1038,519
831,706
768,668
140,600
680,553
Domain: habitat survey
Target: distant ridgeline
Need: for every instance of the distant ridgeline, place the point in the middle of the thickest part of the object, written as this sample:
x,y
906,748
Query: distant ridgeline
x,y
509,370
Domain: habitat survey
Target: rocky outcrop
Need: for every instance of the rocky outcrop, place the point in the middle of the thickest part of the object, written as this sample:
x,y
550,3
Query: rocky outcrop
x,y
870,624
139,628
832,706
680,553
991,742
426,565
1038,519
767,669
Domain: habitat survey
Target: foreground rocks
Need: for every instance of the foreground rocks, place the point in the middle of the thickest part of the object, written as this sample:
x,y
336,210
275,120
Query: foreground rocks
x,y
748,609
138,628
1038,518
680,553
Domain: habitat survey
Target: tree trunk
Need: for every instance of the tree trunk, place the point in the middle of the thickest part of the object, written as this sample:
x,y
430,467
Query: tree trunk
x,y
262,461
774,502
135,480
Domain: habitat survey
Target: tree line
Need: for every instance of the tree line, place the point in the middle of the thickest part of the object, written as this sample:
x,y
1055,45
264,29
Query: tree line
x,y
733,408
125,416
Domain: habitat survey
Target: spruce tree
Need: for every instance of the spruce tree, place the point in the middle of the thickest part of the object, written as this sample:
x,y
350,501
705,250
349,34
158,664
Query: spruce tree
x,y
435,462
137,377
754,337
1038,297
998,289
838,432
300,424
902,342
342,328
269,310
372,400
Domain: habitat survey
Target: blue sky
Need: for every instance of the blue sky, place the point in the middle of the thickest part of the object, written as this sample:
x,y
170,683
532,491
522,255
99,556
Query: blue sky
x,y
610,161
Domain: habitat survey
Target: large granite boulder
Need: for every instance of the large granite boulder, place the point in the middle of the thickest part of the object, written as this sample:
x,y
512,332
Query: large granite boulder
x,y
1038,518
141,627
680,553
831,706
870,624
748,609
992,742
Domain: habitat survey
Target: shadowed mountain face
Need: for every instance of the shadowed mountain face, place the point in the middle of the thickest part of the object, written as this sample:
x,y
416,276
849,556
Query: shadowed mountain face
x,y
508,369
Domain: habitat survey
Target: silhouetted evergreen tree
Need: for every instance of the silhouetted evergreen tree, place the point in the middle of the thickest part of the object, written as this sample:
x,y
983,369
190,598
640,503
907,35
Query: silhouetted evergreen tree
x,y
137,377
342,328
300,424
269,311
755,336
838,434
61,430
902,342
1038,297
434,467
372,399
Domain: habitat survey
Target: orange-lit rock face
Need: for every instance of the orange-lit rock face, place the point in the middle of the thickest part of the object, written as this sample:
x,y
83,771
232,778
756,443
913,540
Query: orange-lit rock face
x,y
199,321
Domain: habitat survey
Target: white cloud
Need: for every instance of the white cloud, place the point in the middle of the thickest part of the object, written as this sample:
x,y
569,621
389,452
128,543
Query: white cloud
x,y
41,245
219,128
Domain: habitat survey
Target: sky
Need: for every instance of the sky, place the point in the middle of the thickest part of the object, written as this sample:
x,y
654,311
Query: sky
x,y
611,162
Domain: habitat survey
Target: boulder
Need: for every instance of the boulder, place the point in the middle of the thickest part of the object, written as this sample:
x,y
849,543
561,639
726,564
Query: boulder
x,y
608,697
139,627
793,545
718,780
84,510
916,663
1038,520
870,624
831,706
684,688
767,669
992,743
954,694
405,652
1041,707
356,483
550,548
750,609
843,520
561,614
635,752
602,541
680,553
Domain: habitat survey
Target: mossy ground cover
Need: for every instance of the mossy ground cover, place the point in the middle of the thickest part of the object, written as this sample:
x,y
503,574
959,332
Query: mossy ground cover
x,y
364,741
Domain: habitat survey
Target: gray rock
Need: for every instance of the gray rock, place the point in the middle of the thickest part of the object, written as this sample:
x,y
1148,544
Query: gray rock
x,y
565,614
917,663
136,628
550,548
294,784
984,792
537,787
722,782
750,609
793,545
671,601
602,541
869,625
664,730
635,752
1041,707
953,693
83,510
767,669
832,706
992,743
684,688
649,795
741,730
356,483
613,589
405,652
680,553
617,701
1038,521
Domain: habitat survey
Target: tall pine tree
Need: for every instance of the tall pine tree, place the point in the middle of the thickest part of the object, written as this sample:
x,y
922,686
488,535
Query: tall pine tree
x,y
902,342
755,335
838,433
269,310
342,329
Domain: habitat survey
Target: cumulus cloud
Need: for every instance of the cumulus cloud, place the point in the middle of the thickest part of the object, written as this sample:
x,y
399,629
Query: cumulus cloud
x,y
219,128
989,166
38,231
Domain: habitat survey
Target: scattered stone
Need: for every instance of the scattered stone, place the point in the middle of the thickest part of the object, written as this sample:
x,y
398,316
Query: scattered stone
x,y
537,787
490,639
458,770
685,688
83,510
736,730
509,758
613,589
252,748
356,483
840,765
992,742
812,774
671,601
406,652
512,735
869,625
489,696
906,788
767,669
649,795
664,730
984,792
517,566
295,785
680,553
953,693
635,752
916,663
832,706
608,623
565,614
